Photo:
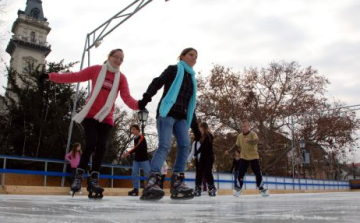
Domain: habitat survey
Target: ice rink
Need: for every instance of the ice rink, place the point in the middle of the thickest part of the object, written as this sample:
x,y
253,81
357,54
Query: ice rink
x,y
326,207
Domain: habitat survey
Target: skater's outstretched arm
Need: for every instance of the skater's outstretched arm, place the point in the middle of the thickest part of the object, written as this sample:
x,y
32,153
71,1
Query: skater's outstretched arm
x,y
89,73
141,143
232,149
157,83
125,94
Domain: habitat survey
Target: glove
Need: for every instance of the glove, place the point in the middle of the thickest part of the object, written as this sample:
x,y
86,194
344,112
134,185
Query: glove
x,y
142,104
43,77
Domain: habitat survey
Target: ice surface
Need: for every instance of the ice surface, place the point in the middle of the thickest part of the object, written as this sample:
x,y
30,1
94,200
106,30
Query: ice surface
x,y
327,207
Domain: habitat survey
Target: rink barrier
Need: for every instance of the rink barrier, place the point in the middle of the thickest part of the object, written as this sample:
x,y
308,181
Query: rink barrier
x,y
222,180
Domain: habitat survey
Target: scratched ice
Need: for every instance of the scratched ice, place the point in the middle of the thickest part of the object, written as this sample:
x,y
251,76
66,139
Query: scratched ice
x,y
328,207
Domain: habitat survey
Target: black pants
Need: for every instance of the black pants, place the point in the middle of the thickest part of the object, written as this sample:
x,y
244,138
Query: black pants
x,y
204,170
255,166
96,135
162,181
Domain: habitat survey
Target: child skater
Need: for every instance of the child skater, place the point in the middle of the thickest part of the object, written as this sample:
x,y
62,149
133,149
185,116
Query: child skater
x,y
73,157
204,165
175,115
141,159
235,168
247,143
97,115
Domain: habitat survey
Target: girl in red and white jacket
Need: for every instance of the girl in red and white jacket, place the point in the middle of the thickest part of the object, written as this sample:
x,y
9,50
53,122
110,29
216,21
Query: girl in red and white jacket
x,y
97,115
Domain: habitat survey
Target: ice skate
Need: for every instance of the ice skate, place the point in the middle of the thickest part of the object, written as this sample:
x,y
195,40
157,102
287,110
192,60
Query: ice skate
x,y
134,192
95,191
264,192
179,190
237,191
153,191
212,190
76,184
197,191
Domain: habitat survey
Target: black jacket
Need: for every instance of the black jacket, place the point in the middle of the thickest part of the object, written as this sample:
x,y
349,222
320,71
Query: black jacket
x,y
179,109
140,149
207,151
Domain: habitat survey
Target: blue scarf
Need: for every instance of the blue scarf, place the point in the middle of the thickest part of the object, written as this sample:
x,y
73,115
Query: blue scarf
x,y
171,96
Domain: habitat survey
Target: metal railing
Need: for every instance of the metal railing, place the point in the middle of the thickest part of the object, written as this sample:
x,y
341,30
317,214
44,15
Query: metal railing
x,y
222,180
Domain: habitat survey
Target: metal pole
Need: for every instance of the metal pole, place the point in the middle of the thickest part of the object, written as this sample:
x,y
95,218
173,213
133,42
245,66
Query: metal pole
x,y
143,128
3,175
45,176
112,177
293,151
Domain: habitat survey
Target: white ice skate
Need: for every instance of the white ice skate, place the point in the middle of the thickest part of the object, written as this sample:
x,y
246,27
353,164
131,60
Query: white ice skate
x,y
237,191
264,192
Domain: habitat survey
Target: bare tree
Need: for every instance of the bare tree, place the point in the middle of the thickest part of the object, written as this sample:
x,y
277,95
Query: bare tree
x,y
269,97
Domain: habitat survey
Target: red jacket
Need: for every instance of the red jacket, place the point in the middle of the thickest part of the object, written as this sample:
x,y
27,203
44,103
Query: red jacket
x,y
91,73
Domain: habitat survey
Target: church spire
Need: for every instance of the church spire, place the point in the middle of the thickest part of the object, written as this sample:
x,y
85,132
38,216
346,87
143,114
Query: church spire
x,y
34,9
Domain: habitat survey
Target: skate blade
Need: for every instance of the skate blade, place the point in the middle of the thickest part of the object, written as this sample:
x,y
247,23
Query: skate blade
x,y
182,197
95,196
265,195
151,198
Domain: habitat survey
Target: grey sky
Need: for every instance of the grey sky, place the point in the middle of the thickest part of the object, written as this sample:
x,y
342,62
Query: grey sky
x,y
237,33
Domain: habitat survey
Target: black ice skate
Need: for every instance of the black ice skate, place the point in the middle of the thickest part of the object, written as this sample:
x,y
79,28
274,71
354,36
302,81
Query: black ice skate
x,y
197,191
179,190
76,184
95,191
212,190
264,192
153,191
134,192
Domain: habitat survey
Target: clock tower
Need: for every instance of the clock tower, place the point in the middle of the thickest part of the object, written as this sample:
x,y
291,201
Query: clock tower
x,y
29,44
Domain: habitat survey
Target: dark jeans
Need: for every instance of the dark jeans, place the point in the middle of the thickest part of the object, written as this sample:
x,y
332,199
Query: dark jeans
x,y
204,170
255,166
96,135
236,177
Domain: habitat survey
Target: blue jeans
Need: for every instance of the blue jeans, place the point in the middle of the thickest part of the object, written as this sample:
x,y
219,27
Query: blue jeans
x,y
167,127
145,165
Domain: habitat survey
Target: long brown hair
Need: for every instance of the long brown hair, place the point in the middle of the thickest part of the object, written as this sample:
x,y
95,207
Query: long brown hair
x,y
74,149
112,52
186,51
207,132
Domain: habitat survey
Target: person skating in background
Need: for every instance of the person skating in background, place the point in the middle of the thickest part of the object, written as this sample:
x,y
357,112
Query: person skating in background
x,y
97,115
205,163
235,168
73,157
247,142
164,170
141,159
175,115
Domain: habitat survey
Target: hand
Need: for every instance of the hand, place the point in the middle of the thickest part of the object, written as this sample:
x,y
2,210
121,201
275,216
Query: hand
x,y
142,104
43,77
226,152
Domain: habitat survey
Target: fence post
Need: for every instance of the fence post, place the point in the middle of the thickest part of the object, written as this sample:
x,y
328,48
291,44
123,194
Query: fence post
x,y
3,175
112,177
45,176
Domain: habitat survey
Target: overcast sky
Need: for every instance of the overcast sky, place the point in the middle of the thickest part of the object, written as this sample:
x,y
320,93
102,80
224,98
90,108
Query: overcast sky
x,y
237,33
